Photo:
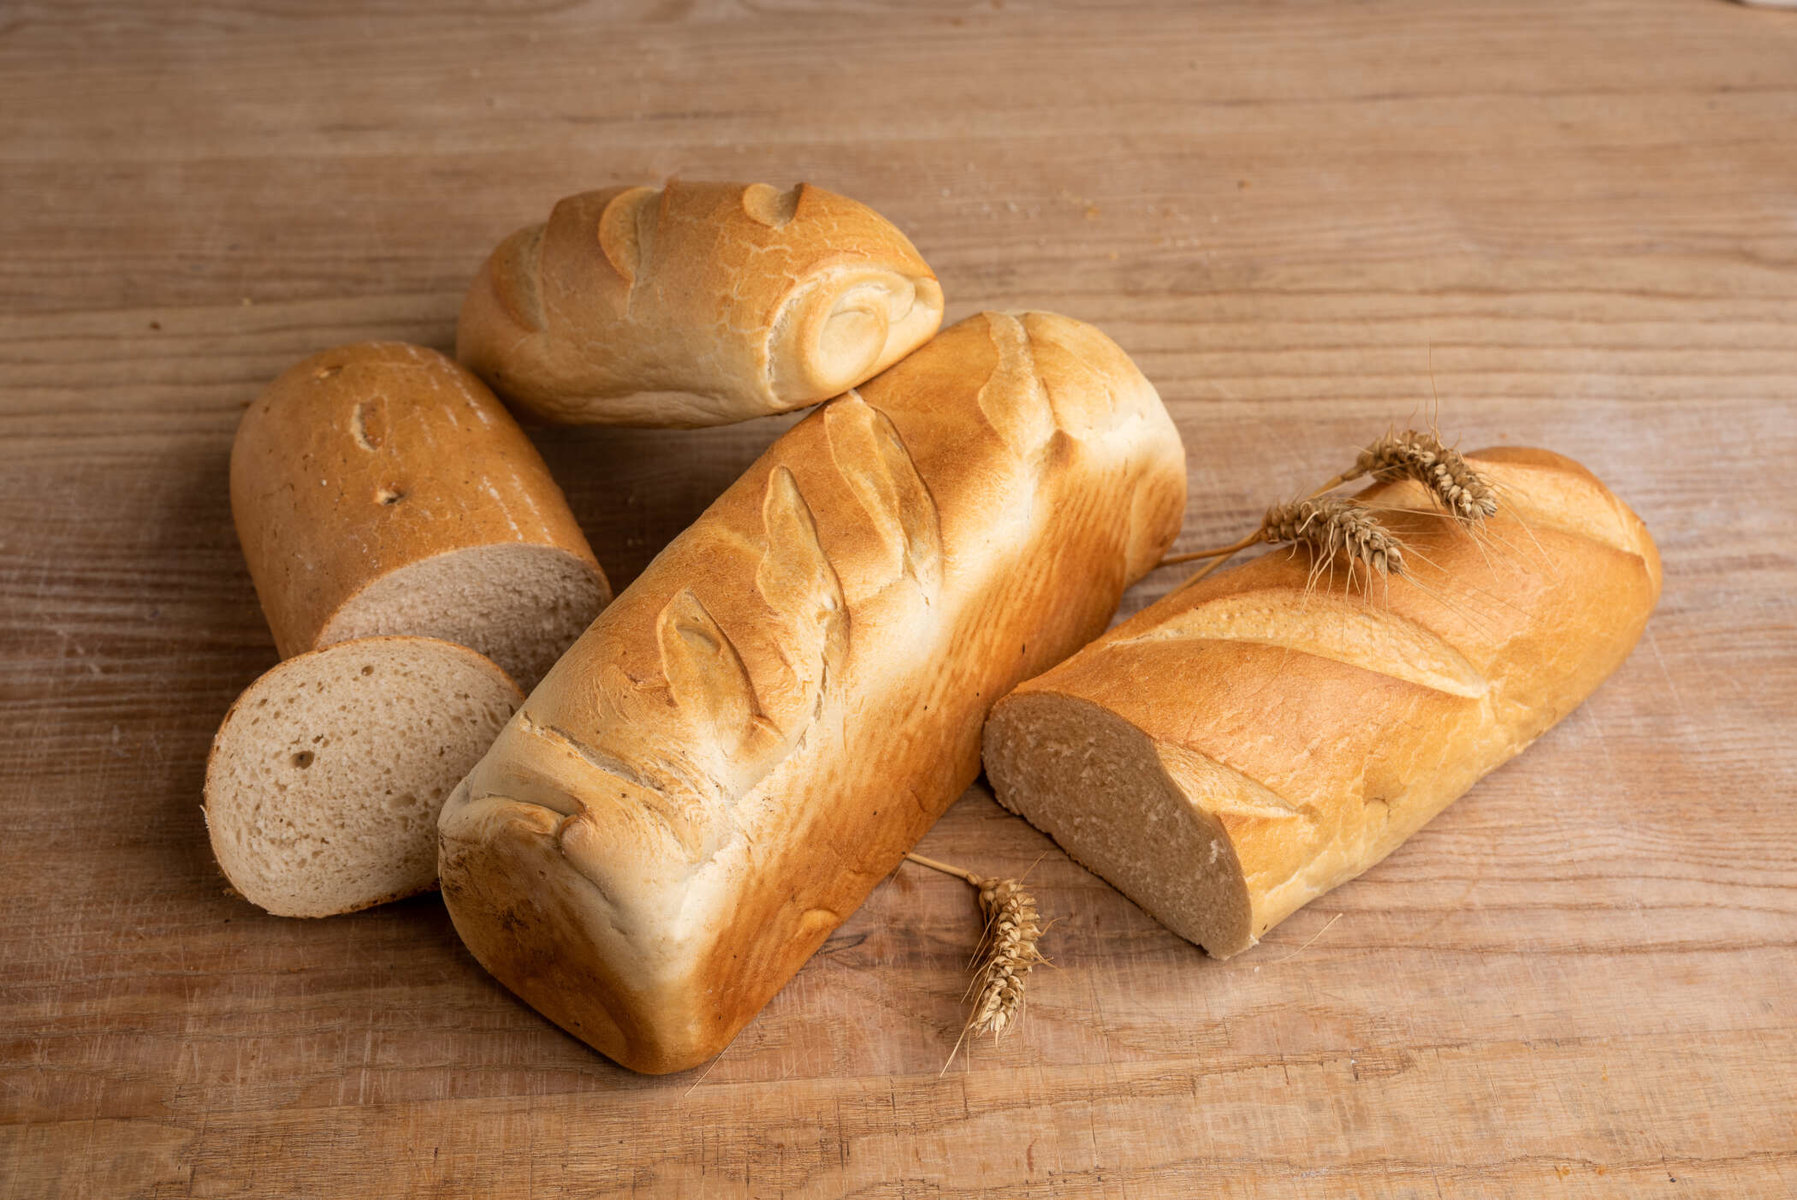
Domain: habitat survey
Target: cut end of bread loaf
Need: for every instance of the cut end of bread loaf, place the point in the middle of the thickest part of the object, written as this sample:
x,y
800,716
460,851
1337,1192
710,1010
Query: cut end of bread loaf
x,y
520,605
326,777
1097,785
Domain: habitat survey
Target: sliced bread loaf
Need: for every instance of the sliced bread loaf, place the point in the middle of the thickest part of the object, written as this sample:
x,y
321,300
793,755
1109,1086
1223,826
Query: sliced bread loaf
x,y
1265,734
325,779
382,489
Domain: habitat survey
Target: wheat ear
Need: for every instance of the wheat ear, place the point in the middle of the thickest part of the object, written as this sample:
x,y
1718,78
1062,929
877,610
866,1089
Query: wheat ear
x,y
1335,526
1453,481
1330,525
1008,952
1009,948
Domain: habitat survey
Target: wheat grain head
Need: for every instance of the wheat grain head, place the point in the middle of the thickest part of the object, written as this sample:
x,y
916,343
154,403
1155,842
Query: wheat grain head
x,y
1455,484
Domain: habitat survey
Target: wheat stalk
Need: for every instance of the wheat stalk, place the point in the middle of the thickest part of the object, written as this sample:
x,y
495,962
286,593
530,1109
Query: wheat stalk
x,y
1331,526
1009,949
1335,526
1453,481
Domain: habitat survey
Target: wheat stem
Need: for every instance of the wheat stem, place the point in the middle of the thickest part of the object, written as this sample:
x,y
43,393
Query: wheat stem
x,y
1208,567
945,868
1195,555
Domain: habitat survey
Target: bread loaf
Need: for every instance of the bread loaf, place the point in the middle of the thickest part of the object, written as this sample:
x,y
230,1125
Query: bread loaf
x,y
698,304
1259,737
325,778
382,489
759,727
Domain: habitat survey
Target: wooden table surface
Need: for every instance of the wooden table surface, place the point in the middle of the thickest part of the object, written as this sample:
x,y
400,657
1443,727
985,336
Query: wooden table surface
x,y
1575,223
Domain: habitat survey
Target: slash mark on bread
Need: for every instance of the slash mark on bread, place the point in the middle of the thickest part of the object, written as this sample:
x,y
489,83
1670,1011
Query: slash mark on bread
x,y
872,459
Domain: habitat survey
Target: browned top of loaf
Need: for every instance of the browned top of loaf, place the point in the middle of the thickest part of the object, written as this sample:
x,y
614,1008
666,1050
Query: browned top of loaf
x,y
742,621
758,727
684,288
1326,699
757,241
364,458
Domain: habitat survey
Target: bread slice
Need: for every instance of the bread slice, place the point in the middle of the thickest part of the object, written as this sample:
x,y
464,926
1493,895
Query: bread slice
x,y
325,778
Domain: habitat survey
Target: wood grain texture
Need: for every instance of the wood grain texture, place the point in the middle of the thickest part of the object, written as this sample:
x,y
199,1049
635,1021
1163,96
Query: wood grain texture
x,y
1574,223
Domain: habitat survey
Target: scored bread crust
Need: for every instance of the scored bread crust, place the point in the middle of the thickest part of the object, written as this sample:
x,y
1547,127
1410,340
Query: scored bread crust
x,y
696,304
260,838
368,460
759,727
1256,738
